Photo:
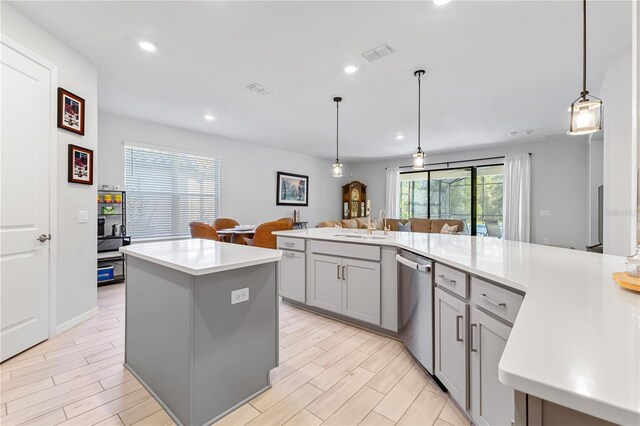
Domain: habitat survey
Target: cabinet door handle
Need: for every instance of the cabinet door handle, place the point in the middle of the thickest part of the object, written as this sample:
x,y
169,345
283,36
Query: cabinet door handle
x,y
338,268
447,280
343,274
471,339
493,302
289,244
289,254
458,318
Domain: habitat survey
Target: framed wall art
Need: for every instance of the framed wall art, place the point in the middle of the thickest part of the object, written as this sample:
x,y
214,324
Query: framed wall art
x,y
70,111
293,190
80,165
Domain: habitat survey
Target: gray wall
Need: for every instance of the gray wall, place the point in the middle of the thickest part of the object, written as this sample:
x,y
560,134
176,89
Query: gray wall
x,y
74,245
559,183
248,171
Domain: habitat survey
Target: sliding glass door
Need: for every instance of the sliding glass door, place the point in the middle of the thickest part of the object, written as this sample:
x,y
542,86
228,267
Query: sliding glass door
x,y
471,194
489,200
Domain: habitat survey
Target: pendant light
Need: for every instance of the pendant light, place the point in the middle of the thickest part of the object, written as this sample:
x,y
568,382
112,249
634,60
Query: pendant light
x,y
337,166
586,112
418,156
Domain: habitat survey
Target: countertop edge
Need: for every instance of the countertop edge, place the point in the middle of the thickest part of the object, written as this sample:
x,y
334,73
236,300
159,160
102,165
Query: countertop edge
x,y
205,271
582,403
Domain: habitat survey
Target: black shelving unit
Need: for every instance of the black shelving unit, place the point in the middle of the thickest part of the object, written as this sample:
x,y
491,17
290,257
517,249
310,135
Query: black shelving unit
x,y
108,244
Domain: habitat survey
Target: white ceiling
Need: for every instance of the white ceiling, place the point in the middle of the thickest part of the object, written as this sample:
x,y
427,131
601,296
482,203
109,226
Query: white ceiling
x,y
492,67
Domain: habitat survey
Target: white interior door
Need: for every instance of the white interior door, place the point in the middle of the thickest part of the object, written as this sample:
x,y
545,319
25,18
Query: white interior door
x,y
25,135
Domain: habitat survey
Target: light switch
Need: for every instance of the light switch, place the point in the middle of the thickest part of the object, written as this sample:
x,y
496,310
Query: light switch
x,y
83,216
545,212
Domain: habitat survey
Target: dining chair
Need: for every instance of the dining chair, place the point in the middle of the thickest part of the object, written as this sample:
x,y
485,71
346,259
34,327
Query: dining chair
x,y
224,223
203,230
286,219
264,237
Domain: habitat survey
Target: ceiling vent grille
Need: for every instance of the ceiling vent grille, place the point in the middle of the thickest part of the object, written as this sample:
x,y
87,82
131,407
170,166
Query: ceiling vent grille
x,y
378,53
258,88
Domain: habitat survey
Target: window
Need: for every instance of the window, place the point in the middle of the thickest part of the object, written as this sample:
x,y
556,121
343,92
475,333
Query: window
x,y
449,193
166,190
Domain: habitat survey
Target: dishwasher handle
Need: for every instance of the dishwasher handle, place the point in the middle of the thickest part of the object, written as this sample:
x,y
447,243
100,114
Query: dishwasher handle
x,y
413,265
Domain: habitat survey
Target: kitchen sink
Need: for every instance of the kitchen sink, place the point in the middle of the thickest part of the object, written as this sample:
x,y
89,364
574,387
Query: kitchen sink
x,y
362,237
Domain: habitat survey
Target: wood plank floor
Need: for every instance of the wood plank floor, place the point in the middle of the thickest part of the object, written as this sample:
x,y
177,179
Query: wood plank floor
x,y
330,373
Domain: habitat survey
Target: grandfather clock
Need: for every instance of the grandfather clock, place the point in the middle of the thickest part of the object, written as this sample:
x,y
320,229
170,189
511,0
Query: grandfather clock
x,y
354,200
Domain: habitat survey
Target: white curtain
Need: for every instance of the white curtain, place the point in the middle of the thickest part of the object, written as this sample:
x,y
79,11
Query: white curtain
x,y
392,199
517,198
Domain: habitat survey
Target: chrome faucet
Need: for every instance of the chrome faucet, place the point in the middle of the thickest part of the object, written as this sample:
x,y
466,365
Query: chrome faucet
x,y
384,221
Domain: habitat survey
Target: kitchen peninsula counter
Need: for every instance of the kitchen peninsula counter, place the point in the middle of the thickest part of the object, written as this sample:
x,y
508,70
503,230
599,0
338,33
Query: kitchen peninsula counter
x,y
576,338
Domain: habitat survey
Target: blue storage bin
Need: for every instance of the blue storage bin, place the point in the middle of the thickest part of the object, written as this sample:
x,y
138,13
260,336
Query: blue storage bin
x,y
105,274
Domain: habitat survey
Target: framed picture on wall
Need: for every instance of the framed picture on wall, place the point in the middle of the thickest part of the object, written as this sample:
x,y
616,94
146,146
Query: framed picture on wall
x,y
70,111
80,165
293,190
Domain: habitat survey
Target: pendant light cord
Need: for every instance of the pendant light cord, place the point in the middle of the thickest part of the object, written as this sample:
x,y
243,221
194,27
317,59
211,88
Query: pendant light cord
x,y
337,128
419,106
584,49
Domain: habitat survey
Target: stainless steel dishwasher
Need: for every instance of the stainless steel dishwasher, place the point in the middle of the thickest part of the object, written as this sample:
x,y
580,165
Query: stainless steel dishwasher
x,y
415,306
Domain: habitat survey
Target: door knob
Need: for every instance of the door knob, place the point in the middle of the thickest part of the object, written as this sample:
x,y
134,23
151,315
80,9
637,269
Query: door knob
x,y
44,237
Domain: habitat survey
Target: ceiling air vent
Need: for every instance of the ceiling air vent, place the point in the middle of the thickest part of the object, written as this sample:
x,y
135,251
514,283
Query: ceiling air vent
x,y
258,88
378,52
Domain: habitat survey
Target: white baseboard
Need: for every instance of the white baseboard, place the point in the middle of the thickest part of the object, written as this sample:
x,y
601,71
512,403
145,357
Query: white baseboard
x,y
76,320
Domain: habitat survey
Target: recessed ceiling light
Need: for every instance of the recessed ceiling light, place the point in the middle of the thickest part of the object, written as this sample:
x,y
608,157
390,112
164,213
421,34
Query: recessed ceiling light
x,y
148,46
350,69
440,2
399,136
209,117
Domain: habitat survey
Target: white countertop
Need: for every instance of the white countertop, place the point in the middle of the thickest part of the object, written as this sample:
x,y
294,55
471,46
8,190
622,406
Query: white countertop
x,y
200,257
576,340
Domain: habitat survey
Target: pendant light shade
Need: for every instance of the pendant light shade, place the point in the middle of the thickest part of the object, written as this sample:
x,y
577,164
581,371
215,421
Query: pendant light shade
x,y
337,166
418,159
586,111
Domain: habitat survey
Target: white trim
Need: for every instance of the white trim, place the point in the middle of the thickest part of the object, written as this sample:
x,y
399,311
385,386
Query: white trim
x,y
53,175
67,325
168,149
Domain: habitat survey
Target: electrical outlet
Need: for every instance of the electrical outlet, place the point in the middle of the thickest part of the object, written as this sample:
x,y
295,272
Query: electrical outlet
x,y
83,216
240,295
545,212
546,240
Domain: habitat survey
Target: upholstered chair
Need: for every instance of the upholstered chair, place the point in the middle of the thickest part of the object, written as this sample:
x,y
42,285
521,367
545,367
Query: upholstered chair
x,y
203,230
263,236
286,219
224,223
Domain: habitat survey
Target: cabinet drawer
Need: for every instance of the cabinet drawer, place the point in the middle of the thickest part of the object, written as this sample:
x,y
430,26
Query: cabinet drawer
x,y
357,251
289,243
497,300
451,279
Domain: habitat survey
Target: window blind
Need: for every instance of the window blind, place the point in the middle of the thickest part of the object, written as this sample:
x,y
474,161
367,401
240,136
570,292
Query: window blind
x,y
166,190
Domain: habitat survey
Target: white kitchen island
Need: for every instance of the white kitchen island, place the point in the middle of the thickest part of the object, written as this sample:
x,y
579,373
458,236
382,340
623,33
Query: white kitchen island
x,y
574,342
201,324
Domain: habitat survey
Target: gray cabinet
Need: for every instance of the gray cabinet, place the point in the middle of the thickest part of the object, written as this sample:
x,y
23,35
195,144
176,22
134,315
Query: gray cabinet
x,y
361,290
492,403
450,344
292,275
326,288
346,286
